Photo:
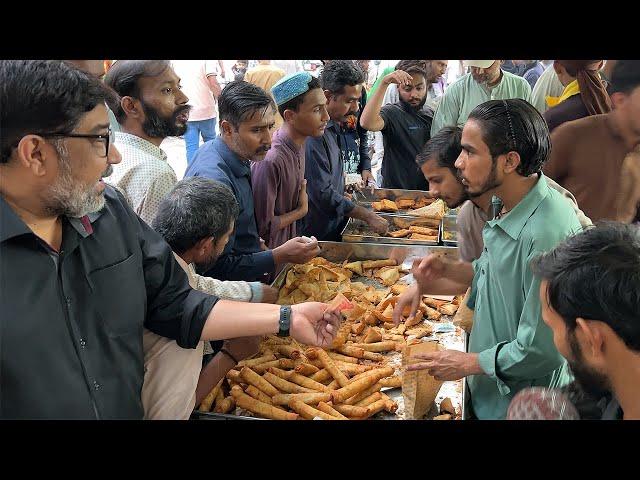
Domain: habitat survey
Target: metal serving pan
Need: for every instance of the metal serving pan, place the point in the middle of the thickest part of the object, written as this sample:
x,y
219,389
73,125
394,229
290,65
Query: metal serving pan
x,y
449,227
364,197
358,231
339,252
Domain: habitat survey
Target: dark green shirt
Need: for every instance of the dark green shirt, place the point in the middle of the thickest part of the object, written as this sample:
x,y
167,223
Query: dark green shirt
x,y
516,347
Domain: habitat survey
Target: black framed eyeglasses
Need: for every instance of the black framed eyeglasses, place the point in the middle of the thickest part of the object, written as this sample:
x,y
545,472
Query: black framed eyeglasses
x,y
107,139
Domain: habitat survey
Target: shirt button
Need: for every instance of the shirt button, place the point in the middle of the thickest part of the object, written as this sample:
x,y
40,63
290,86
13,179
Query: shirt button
x,y
96,385
482,270
68,299
82,343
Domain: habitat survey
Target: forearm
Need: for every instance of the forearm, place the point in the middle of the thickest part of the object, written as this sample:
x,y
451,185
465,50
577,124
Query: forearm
x,y
361,213
210,375
214,86
370,118
286,219
229,319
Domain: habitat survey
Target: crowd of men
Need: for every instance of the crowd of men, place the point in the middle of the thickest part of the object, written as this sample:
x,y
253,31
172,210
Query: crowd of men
x,y
150,289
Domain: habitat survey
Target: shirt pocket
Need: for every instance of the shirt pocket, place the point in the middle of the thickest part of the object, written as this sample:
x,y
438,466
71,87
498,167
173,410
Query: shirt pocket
x,y
119,296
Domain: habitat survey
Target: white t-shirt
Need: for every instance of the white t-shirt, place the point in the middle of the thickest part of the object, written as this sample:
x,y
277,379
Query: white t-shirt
x,y
193,78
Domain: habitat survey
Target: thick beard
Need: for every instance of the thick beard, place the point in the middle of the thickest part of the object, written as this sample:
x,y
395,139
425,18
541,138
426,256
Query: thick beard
x,y
489,184
592,382
156,126
417,108
69,197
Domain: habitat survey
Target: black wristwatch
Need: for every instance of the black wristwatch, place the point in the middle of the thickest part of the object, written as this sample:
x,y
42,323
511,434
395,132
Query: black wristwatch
x,y
285,321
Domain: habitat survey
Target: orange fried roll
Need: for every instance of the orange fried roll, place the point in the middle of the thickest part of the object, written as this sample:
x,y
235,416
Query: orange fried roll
x,y
252,378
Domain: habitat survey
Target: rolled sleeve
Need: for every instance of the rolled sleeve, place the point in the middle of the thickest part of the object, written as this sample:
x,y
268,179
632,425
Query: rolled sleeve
x,y
256,292
488,363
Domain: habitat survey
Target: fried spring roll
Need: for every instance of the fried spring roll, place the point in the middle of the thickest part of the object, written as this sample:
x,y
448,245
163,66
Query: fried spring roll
x,y
393,382
432,302
308,412
351,411
288,351
384,346
334,385
219,396
331,367
260,408
374,397
401,329
263,367
364,394
357,386
284,385
273,340
326,408
256,361
306,369
321,375
306,382
342,358
395,338
351,351
415,320
234,375
310,398
252,378
353,369
207,402
390,406
226,405
376,407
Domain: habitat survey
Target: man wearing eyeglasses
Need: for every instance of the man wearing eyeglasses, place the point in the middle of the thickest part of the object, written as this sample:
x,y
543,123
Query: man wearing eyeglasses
x,y
81,274
152,107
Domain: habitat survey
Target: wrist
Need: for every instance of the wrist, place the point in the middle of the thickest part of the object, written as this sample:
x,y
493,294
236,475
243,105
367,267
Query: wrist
x,y
473,365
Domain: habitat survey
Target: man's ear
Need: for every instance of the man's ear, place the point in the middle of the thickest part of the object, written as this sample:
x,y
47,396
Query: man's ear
x,y
328,94
557,67
592,338
618,99
34,153
203,246
132,107
511,162
226,128
288,115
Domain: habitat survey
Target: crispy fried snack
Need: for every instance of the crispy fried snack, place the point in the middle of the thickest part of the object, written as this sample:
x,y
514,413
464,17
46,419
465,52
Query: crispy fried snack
x,y
306,369
448,309
342,358
260,408
415,320
393,382
431,232
384,205
351,411
358,328
234,375
331,367
389,262
388,275
258,394
355,267
205,406
364,394
386,346
446,416
288,351
420,332
256,361
435,210
252,378
225,406
434,303
326,408
372,336
376,407
428,238
405,203
321,375
399,288
305,382
284,385
446,406
374,397
309,398
399,233
356,386
390,406
309,412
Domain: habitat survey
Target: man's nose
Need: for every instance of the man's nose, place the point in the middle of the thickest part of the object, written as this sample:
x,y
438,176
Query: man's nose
x,y
114,155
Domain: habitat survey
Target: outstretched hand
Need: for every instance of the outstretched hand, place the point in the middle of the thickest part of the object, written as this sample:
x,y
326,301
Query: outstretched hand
x,y
313,324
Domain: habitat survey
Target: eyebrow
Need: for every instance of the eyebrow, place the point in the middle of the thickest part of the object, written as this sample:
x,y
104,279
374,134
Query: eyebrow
x,y
467,147
97,128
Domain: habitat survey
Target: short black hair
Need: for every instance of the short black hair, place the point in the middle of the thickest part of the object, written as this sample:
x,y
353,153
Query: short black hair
x,y
444,147
337,74
413,67
625,76
514,125
295,102
240,100
123,77
595,275
195,209
43,96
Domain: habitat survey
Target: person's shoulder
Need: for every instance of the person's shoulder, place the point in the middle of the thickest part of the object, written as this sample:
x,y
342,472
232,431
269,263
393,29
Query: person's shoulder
x,y
592,124
553,220
516,79
459,85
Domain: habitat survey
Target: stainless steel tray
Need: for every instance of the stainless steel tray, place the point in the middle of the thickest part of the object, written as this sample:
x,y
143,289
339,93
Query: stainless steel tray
x,y
364,197
339,252
449,225
353,226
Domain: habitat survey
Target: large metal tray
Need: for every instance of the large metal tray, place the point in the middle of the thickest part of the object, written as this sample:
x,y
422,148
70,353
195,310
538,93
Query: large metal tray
x,y
350,233
364,197
339,252
449,226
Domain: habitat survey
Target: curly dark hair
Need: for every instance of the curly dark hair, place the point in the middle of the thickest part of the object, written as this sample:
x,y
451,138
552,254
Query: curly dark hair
x,y
337,74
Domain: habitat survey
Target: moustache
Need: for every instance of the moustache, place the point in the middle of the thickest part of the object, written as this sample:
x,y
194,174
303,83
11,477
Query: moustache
x,y
180,110
107,172
263,149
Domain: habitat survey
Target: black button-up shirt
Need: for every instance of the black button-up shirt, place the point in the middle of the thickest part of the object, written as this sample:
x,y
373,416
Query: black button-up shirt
x,y
71,322
242,258
324,171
